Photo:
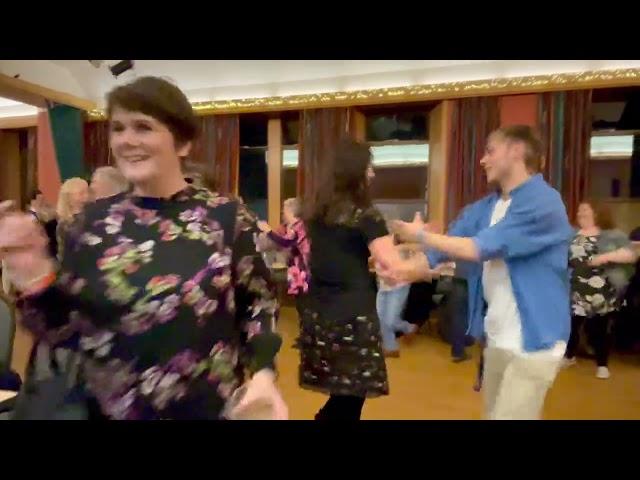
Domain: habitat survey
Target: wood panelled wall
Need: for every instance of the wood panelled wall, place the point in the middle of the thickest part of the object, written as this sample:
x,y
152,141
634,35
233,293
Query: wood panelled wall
x,y
10,182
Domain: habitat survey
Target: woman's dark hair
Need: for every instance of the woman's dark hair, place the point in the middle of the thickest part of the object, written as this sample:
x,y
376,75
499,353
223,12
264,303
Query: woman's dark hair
x,y
343,184
159,99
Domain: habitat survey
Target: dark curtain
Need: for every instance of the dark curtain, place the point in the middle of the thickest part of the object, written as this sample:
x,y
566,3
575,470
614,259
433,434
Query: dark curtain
x,y
565,126
96,145
320,131
473,119
218,150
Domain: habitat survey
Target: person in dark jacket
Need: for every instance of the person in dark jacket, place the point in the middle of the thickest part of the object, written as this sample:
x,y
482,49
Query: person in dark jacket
x,y
627,328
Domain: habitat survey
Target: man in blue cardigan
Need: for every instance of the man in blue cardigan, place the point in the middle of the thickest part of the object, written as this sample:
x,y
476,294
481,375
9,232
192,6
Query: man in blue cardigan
x,y
517,242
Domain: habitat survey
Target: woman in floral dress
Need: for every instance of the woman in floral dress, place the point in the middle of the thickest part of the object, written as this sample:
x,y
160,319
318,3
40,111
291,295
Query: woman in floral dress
x,y
340,342
293,238
595,290
160,288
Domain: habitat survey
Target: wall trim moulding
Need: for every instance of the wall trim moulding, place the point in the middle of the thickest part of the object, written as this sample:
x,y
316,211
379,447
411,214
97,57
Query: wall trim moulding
x,y
18,122
417,93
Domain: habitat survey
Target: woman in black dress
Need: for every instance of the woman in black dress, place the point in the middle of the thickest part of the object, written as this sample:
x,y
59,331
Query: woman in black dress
x,y
340,342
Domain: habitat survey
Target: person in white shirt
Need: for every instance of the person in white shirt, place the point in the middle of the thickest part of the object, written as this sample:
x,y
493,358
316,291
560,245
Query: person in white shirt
x,y
517,242
390,302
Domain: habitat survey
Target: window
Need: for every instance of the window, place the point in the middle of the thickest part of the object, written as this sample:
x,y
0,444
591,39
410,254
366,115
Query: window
x,y
252,181
398,137
615,143
290,135
611,146
399,188
611,165
402,126
289,172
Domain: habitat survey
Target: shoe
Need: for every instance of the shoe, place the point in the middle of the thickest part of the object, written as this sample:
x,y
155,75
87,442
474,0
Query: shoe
x,y
391,353
463,358
410,337
567,362
603,373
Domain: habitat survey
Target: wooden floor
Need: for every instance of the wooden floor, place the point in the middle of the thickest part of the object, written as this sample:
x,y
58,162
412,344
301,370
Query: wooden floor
x,y
425,384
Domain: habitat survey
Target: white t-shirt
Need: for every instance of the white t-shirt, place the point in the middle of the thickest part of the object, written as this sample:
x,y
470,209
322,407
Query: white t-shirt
x,y
503,325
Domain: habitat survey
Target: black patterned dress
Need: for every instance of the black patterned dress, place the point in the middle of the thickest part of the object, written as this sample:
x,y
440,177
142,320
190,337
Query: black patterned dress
x,y
340,341
591,292
167,300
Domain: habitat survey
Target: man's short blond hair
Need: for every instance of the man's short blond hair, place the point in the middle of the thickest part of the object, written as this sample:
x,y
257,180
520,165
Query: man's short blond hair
x,y
534,154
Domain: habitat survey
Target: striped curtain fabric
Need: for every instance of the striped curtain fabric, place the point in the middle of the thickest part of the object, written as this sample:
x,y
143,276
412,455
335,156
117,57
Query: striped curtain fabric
x,y
218,149
96,145
565,126
320,131
473,119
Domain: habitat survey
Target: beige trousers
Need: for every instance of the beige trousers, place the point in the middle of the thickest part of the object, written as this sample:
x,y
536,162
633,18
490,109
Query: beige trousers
x,y
515,386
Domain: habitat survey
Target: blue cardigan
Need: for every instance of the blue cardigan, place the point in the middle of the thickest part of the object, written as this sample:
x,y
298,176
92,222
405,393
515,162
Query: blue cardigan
x,y
533,238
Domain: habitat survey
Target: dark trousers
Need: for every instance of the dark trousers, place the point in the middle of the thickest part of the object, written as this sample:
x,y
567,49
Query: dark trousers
x,y
341,407
458,308
597,330
94,410
300,303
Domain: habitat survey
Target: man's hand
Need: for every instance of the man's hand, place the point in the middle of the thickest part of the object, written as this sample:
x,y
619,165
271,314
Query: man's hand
x,y
264,226
415,269
408,232
446,269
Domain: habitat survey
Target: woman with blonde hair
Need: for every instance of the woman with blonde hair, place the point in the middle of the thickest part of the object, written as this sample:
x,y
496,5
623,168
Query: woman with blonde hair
x,y
107,182
73,196
293,236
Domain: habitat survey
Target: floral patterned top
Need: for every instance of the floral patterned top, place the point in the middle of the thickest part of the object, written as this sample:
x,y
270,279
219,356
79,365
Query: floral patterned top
x,y
296,240
591,292
168,301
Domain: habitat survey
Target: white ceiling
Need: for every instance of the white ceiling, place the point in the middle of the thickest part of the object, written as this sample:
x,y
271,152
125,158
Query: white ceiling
x,y
231,79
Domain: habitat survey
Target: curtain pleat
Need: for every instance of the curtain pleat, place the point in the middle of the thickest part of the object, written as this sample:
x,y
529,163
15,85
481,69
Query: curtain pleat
x,y
565,125
473,119
218,149
320,131
96,145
